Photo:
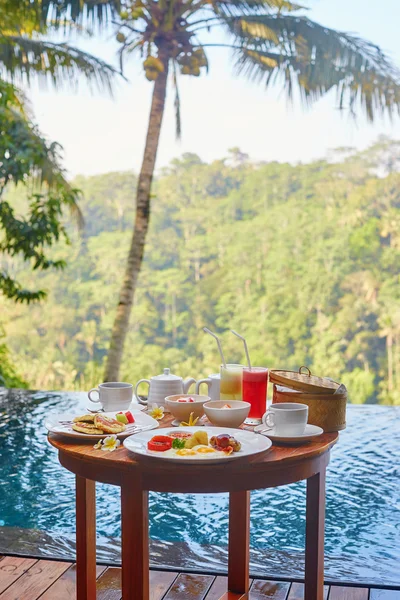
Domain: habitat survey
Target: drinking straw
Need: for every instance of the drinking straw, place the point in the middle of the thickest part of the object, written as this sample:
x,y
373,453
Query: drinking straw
x,y
219,344
245,346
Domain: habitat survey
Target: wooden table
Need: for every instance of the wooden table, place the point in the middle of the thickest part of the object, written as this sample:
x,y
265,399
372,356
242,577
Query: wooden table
x,y
278,466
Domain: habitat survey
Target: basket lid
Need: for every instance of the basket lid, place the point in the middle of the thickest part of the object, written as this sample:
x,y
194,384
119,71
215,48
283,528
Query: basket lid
x,y
303,381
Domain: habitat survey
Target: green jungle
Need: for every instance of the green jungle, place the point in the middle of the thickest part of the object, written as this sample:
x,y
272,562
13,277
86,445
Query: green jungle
x,y
301,259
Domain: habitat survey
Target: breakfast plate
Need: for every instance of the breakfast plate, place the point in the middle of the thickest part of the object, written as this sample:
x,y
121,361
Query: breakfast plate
x,y
310,432
250,445
62,425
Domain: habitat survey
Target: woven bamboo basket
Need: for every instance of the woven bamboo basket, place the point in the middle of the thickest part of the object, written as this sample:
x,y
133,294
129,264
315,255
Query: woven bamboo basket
x,y
326,408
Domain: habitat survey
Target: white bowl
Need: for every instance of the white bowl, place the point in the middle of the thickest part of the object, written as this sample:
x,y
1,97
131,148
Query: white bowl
x,y
182,410
227,417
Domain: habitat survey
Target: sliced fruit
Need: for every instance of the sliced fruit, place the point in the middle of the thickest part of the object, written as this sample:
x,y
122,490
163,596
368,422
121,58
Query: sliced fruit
x,y
122,418
199,438
129,416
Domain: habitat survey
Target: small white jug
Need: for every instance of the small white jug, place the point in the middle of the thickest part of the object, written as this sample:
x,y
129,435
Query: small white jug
x,y
164,385
213,385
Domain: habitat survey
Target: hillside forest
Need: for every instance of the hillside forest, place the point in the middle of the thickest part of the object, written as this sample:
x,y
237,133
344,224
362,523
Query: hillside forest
x,y
301,259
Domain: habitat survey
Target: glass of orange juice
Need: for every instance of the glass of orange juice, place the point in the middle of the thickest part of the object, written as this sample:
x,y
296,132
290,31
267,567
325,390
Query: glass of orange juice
x,y
231,382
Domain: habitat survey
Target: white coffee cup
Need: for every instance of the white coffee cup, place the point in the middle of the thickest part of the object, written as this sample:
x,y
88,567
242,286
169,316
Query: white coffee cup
x,y
113,395
286,418
213,384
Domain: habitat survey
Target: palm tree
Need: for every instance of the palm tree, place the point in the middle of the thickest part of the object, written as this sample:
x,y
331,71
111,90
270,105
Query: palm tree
x,y
24,53
273,42
25,156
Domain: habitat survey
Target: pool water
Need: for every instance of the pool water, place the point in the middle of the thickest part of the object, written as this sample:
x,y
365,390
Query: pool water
x,y
362,515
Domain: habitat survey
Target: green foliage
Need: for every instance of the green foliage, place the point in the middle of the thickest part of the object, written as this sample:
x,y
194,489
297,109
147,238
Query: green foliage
x,y
303,260
29,161
272,41
8,375
26,158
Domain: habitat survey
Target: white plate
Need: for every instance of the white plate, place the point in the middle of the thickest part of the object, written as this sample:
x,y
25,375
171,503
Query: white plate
x,y
62,425
310,432
251,444
135,404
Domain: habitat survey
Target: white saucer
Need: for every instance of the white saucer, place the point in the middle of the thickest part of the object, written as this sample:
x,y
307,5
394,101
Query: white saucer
x,y
310,432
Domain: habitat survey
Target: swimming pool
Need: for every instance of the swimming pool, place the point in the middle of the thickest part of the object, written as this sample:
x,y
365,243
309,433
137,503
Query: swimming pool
x,y
362,518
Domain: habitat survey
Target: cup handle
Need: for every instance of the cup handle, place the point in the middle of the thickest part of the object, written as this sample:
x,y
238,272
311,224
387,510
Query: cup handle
x,y
94,390
136,387
268,419
187,384
206,381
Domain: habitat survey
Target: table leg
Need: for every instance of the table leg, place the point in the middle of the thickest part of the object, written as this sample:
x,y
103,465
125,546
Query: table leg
x,y
135,542
85,539
239,542
315,530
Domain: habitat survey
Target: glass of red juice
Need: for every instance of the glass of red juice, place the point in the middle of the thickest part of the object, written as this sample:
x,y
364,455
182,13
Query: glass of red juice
x,y
255,382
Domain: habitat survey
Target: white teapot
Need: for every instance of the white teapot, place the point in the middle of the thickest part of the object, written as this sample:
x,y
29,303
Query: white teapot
x,y
164,385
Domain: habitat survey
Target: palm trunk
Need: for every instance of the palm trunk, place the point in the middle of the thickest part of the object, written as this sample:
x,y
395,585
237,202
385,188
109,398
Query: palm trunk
x,y
142,218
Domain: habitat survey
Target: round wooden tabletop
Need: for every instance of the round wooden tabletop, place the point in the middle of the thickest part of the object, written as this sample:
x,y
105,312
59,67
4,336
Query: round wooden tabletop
x,y
277,466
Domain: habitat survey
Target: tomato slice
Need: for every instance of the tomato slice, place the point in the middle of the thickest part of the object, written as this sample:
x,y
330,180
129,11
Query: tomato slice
x,y
160,443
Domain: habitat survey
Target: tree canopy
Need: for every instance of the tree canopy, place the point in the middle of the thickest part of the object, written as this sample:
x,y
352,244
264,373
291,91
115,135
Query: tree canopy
x,y
303,260
26,157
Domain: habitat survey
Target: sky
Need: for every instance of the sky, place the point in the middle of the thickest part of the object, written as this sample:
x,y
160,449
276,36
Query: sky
x,y
219,111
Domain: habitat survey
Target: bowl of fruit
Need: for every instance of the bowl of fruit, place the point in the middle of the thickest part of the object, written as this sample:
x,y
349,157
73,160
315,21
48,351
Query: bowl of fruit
x,y
227,413
181,406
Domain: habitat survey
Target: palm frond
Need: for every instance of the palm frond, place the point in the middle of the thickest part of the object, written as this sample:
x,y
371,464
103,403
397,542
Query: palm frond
x,y
28,159
237,8
314,59
23,57
13,97
95,13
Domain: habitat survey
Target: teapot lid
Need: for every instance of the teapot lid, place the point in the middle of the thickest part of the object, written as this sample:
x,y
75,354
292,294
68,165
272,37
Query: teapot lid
x,y
167,376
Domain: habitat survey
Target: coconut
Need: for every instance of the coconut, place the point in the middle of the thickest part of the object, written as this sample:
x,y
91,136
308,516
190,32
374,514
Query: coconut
x,y
151,74
153,63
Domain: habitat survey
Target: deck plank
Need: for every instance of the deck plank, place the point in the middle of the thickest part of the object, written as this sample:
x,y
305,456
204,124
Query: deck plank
x,y
338,592
384,594
35,581
65,587
296,592
12,568
275,590
109,584
219,590
160,582
233,596
190,587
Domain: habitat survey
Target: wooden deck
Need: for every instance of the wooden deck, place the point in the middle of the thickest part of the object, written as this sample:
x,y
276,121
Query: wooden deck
x,y
33,579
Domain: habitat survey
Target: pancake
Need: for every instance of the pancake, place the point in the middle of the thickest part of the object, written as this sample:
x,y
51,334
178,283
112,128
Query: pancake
x,y
84,419
108,425
88,428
